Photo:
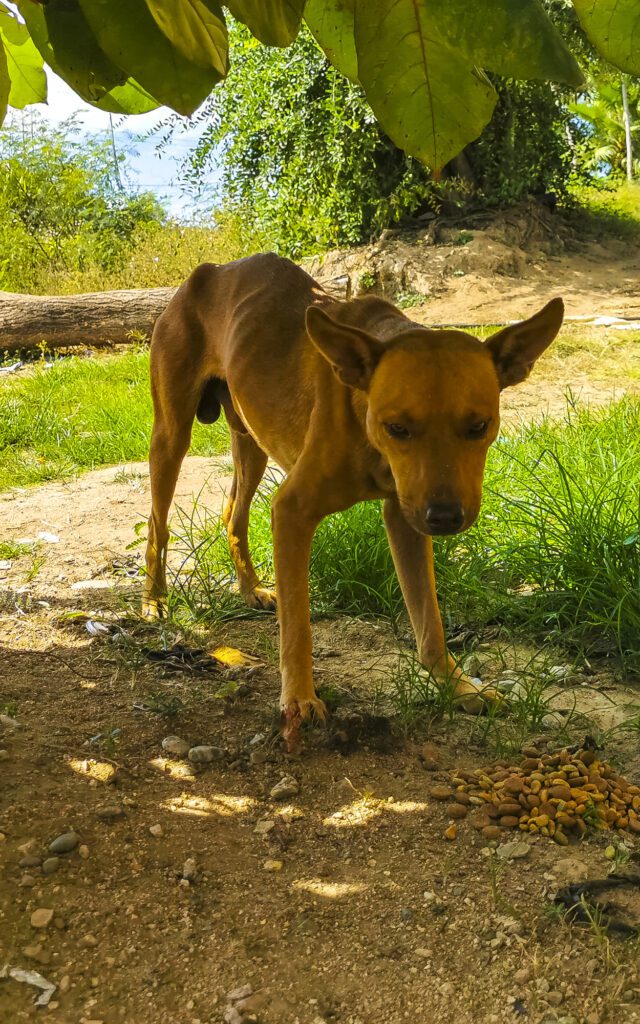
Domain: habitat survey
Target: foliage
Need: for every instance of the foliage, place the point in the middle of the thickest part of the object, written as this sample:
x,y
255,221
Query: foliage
x,y
62,205
422,66
601,110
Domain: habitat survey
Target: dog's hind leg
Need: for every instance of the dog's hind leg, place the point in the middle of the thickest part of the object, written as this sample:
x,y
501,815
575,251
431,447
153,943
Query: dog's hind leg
x,y
249,465
413,558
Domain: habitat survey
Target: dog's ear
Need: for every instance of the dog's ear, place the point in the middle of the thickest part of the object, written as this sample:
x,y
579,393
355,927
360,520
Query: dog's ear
x,y
353,353
515,349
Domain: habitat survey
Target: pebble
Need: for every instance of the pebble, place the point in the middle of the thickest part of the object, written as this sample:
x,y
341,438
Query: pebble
x,y
64,984
156,830
190,870
286,788
205,754
239,993
88,941
4,754
570,871
451,832
111,813
37,953
28,882
64,843
50,865
522,976
441,793
264,827
406,914
42,917
273,865
492,832
83,851
176,745
554,998
232,1016
30,861
258,756
513,851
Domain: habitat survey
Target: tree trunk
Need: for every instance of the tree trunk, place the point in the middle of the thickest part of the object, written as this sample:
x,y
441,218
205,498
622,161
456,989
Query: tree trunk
x,y
627,129
100,318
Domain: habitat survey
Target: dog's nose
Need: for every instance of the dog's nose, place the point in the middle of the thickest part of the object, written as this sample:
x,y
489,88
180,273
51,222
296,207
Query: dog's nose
x,y
444,517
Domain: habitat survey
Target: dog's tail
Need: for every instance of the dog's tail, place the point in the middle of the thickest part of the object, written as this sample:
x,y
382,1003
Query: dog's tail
x,y
215,396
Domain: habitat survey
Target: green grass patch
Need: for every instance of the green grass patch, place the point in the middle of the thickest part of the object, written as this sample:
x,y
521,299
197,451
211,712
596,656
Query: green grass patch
x,y
555,554
81,413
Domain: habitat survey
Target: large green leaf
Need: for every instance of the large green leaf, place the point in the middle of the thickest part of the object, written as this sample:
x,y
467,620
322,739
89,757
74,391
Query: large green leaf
x,y
274,22
5,84
510,37
196,28
331,24
127,33
425,94
613,26
62,35
24,63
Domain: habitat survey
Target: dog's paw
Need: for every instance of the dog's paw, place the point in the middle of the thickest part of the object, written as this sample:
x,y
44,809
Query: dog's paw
x,y
293,713
261,599
472,696
154,608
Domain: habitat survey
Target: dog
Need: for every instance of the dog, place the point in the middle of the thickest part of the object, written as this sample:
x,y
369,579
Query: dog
x,y
355,402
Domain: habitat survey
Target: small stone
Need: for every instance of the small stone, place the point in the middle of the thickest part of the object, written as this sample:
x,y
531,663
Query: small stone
x,y
190,870
554,998
570,871
233,1016
4,754
423,952
273,865
37,953
28,882
239,993
522,976
205,754
285,789
113,812
58,922
457,810
156,830
258,738
253,1003
264,827
451,832
83,851
30,861
50,865
506,684
175,745
41,918
88,941
513,851
491,832
64,984
406,914
258,757
64,843
440,792
471,665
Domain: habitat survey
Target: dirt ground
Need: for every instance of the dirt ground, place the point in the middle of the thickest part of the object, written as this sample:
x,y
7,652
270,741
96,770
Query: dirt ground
x,y
342,903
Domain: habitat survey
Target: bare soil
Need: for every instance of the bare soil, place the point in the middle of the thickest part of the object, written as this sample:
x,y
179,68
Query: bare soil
x,y
351,906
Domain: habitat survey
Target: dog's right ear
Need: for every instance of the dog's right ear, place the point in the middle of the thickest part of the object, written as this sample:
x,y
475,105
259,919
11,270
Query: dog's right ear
x,y
353,353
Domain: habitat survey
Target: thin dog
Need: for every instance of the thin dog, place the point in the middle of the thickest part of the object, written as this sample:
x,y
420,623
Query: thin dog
x,y
355,402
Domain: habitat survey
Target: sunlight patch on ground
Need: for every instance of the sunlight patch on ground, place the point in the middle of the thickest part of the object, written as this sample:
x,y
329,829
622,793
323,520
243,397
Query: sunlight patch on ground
x,y
220,804
330,890
89,767
366,808
174,769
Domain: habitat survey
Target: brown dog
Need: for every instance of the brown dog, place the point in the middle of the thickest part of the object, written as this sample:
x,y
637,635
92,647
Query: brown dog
x,y
354,402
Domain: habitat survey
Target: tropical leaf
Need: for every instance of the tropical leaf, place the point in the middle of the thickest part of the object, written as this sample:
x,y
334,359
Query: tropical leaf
x,y
196,28
129,36
24,63
5,83
613,26
331,24
274,22
64,39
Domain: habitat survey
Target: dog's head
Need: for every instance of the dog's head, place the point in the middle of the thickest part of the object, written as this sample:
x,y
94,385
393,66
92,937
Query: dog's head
x,y
433,404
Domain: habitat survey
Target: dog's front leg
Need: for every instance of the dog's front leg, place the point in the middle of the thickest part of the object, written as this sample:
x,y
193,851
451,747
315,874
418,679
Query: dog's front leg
x,y
293,529
413,558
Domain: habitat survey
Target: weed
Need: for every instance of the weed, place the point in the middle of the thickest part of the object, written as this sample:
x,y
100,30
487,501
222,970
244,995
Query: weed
x,y
13,549
9,708
164,705
409,299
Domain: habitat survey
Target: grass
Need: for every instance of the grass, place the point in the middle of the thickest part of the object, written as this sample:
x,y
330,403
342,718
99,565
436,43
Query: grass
x,y
555,554
79,413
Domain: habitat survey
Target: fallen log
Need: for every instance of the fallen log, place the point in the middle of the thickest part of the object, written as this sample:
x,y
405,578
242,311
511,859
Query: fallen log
x,y
94,319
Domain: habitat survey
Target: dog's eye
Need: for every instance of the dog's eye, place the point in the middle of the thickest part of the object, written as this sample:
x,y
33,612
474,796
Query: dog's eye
x,y
396,430
478,430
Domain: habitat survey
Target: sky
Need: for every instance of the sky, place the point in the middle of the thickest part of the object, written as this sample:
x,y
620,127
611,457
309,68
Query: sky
x,y
147,169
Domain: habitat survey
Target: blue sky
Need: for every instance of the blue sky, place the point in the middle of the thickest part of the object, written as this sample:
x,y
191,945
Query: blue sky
x,y
147,169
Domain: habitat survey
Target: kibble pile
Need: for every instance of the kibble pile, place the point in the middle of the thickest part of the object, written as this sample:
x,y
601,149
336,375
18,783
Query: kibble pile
x,y
556,795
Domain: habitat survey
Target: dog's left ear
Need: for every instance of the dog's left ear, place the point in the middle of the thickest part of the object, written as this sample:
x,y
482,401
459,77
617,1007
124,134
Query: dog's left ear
x,y
353,353
515,349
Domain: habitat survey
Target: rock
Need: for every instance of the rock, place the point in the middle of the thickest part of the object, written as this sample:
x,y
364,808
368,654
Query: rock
x,y
492,832
83,851
205,754
253,1003
451,832
258,756
50,865
273,865
176,745
88,941
570,871
457,810
441,793
9,722
551,722
239,993
406,914
258,738
64,843
28,882
4,754
30,861
554,998
64,984
423,952
264,827
285,789
41,918
506,684
156,830
471,665
111,813
561,674
37,953
513,851
190,870
522,976
232,1016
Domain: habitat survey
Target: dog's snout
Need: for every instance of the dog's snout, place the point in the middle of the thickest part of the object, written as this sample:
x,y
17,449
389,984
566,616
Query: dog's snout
x,y
444,517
